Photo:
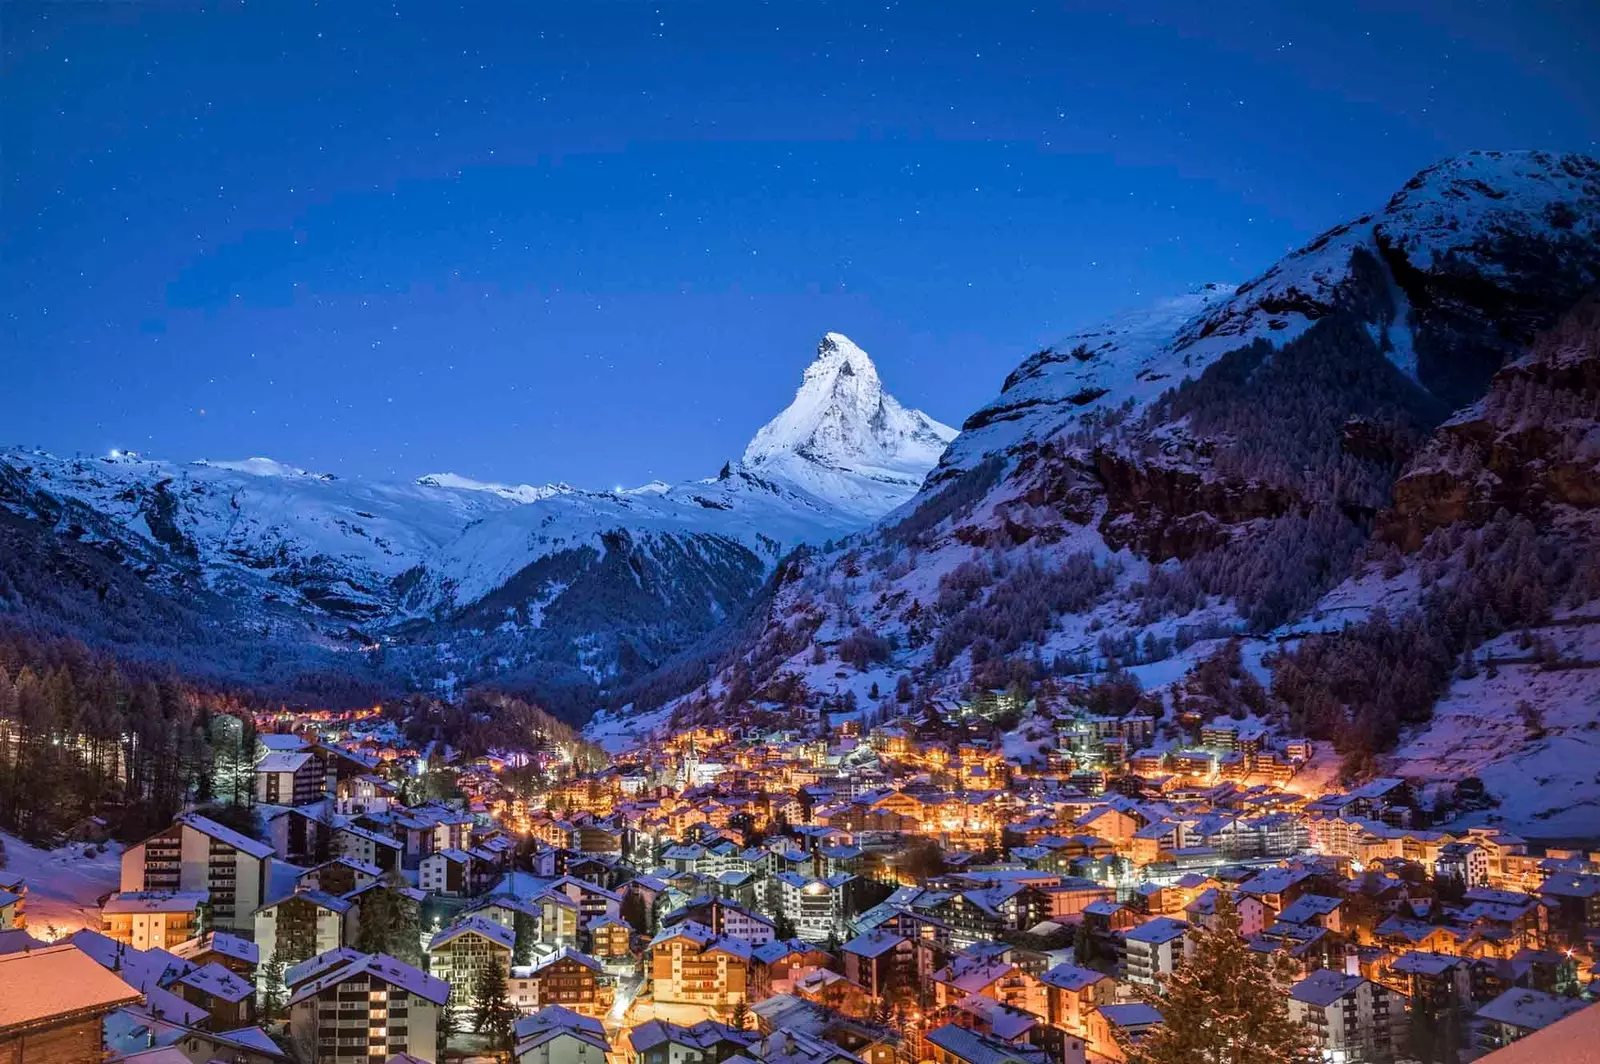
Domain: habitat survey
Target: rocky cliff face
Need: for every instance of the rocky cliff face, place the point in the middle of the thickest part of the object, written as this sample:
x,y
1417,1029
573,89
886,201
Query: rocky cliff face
x,y
1530,446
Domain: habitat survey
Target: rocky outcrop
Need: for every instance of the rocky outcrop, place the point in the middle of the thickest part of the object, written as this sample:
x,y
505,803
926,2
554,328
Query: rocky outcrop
x,y
1531,446
1163,511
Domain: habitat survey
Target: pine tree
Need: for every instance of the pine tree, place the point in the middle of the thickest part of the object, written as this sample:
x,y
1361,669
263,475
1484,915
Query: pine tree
x,y
449,1024
739,1019
491,1013
272,989
526,929
1224,1005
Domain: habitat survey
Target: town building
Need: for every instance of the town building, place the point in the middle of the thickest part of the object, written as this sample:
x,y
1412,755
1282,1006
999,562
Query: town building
x,y
146,918
368,1008
198,854
1354,1019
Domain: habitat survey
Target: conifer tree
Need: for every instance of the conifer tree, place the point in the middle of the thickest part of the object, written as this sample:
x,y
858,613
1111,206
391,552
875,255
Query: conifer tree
x,y
272,989
491,1012
1224,1005
526,929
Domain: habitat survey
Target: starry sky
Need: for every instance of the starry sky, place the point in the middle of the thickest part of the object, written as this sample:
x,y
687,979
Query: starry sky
x,y
598,242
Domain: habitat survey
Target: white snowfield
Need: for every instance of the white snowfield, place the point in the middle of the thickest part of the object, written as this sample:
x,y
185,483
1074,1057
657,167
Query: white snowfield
x,y
844,453
65,886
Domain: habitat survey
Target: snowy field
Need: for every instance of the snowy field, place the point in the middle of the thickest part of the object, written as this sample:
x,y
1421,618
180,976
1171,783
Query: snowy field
x,y
1531,733
65,885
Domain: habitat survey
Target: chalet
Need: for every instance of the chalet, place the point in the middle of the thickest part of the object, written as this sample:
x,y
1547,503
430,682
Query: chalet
x,y
53,1005
239,955
227,997
556,1035
567,978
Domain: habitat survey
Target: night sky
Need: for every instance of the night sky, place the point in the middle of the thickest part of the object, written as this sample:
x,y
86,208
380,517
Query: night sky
x,y
599,241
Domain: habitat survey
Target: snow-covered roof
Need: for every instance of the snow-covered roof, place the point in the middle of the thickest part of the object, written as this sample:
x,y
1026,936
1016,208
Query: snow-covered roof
x,y
1324,986
1529,1009
243,843
155,901
39,985
284,761
396,973
476,925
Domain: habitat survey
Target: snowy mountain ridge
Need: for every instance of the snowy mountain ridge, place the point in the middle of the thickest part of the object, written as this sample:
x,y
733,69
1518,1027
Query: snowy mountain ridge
x,y
454,551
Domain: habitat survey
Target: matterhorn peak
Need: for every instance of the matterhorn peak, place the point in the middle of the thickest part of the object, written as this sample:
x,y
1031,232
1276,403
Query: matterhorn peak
x,y
844,438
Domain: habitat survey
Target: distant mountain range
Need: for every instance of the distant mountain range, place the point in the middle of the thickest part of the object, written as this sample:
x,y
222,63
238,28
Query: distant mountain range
x,y
1184,507
446,578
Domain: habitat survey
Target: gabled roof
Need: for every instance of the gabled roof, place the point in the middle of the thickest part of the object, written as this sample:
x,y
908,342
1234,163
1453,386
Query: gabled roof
x,y
319,965
155,901
1529,1009
1324,986
1071,977
214,979
395,972
321,899
243,843
284,761
227,945
563,954
477,925
374,837
873,943
39,986
1131,1014
975,1048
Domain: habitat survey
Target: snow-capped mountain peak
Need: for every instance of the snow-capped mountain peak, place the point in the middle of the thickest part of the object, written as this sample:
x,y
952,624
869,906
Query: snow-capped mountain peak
x,y
844,438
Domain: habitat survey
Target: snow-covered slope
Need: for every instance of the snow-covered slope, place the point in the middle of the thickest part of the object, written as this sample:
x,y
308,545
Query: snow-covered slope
x,y
553,569
1216,466
845,440
1503,232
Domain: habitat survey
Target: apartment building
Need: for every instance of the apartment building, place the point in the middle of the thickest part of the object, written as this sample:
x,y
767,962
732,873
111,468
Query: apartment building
x,y
816,907
305,924
1154,949
292,777
198,854
691,964
146,918
1355,1019
370,1007
467,946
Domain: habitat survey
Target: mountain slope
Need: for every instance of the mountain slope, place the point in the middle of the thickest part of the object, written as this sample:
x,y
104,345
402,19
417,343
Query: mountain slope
x,y
1205,478
452,578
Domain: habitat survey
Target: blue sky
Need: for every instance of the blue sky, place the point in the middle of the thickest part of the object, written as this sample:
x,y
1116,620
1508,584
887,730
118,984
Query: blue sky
x,y
598,242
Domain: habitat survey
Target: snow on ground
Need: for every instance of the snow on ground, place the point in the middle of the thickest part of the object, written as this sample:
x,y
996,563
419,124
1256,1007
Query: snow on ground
x,y
64,885
616,731
1531,733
